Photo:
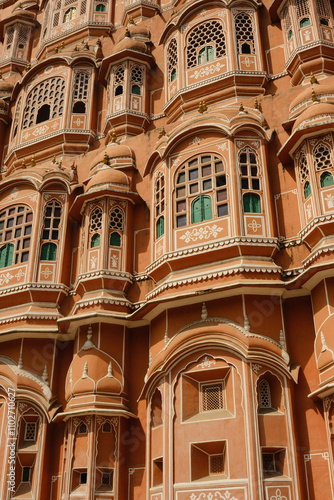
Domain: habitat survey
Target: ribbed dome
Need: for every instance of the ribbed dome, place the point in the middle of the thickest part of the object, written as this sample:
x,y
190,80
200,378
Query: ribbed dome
x,y
128,43
112,152
306,95
93,371
108,175
316,110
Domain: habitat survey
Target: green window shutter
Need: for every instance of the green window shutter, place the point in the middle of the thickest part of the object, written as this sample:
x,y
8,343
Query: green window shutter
x,y
206,54
201,209
251,203
160,227
115,239
326,180
95,241
304,22
49,251
307,189
135,89
6,255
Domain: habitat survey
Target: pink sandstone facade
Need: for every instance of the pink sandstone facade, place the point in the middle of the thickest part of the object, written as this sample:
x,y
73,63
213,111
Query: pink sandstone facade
x,y
166,250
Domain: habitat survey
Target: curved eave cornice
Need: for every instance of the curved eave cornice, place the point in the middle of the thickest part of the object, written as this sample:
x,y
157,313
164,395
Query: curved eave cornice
x,y
37,180
124,55
304,130
187,10
94,411
217,333
24,178
82,199
204,123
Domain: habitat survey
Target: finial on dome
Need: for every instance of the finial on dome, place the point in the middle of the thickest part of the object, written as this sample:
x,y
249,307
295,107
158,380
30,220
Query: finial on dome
x,y
54,159
98,42
85,371
33,161
86,46
113,136
256,104
89,343
241,108
162,132
106,158
57,49
202,107
131,20
313,79
109,374
314,96
127,33
23,164
28,66
62,46
76,48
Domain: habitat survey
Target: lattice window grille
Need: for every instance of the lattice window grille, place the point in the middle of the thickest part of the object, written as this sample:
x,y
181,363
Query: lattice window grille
x,y
56,19
82,428
302,7
209,33
323,8
52,217
212,397
30,431
16,228
287,19
45,20
303,168
268,461
322,157
249,169
83,7
69,2
17,116
50,92
24,31
106,478
216,464
81,84
8,45
116,219
160,195
106,427
171,58
137,75
264,391
244,31
119,75
96,220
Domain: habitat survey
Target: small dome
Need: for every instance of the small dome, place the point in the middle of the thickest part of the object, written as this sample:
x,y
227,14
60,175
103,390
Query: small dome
x,y
113,151
128,43
139,31
108,175
23,13
316,110
306,95
6,87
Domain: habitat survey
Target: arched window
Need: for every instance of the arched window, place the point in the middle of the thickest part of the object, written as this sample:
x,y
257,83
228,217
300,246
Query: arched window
x,y
322,157
135,89
15,234
244,33
82,428
136,79
172,60
160,227
95,227
156,409
209,34
49,251
6,255
119,90
80,92
70,14
100,7
115,239
204,174
304,175
50,92
326,179
251,203
264,394
95,241
323,12
52,217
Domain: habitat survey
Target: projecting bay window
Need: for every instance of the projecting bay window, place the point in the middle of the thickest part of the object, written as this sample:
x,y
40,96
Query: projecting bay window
x,y
200,191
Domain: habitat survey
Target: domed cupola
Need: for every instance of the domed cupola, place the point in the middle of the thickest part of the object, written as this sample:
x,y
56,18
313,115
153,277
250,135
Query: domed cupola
x,y
94,380
126,71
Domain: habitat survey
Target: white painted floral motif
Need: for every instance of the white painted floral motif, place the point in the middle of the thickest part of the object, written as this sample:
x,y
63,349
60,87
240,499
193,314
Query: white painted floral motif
x,y
309,211
14,193
307,35
172,89
33,197
206,363
208,70
78,122
278,496
40,130
25,136
329,200
20,274
247,62
195,140
256,368
55,125
114,261
47,272
5,278
327,34
48,69
254,226
223,146
202,233
213,496
93,262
